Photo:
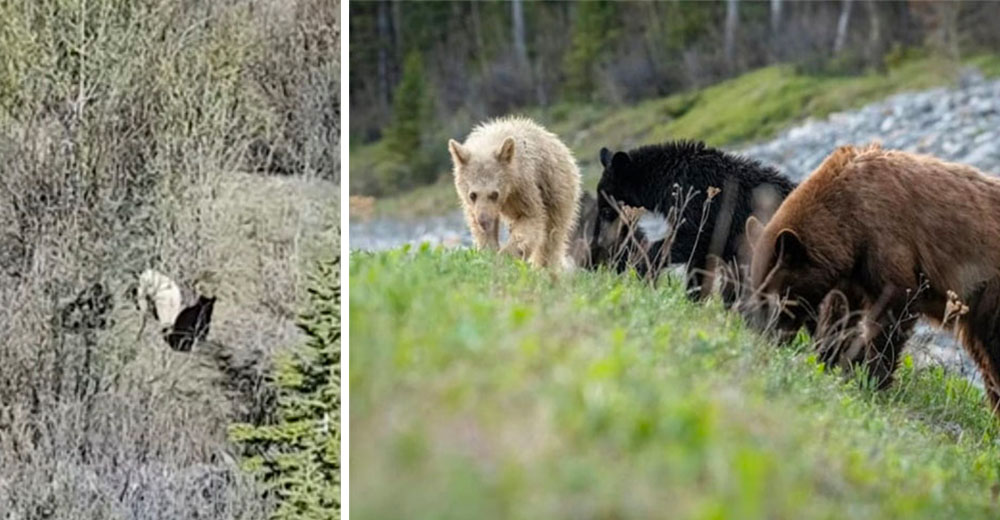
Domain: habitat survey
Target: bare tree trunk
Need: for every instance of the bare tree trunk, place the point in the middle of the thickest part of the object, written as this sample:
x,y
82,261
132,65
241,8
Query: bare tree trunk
x,y
397,15
650,43
775,16
397,41
517,11
949,19
477,29
540,96
776,39
732,19
845,15
521,50
384,41
874,33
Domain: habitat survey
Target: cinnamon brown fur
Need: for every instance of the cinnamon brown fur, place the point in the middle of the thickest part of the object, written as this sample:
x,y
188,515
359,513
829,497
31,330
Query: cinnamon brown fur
x,y
890,234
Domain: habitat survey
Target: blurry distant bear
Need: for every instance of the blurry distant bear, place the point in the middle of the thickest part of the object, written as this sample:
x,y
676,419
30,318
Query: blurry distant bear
x,y
696,201
580,247
514,170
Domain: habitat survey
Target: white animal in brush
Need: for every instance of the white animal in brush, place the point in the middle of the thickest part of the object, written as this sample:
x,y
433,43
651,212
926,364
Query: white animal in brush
x,y
181,327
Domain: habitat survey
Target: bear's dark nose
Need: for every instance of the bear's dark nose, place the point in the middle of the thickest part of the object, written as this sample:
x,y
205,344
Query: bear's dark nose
x,y
486,223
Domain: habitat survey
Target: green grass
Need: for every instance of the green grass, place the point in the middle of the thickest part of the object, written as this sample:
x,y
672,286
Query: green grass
x,y
751,107
483,389
988,64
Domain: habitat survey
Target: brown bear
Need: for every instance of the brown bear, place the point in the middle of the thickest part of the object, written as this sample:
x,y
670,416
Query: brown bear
x,y
872,240
514,170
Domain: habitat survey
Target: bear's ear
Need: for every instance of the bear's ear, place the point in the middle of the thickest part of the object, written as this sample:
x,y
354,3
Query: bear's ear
x,y
605,157
506,152
790,248
754,229
458,153
620,160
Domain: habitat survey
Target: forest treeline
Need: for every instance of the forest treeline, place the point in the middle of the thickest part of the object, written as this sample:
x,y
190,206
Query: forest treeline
x,y
414,66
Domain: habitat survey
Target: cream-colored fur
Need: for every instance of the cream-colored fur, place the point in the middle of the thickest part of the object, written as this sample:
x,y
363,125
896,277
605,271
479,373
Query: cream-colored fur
x,y
512,169
165,296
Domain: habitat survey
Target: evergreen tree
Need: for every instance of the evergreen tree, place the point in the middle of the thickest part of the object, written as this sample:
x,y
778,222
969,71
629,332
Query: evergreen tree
x,y
594,30
298,457
411,118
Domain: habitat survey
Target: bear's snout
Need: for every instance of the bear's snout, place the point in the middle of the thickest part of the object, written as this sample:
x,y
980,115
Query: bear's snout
x,y
770,316
486,223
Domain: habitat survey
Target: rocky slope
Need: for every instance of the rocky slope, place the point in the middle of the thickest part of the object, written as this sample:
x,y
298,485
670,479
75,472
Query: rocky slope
x,y
960,124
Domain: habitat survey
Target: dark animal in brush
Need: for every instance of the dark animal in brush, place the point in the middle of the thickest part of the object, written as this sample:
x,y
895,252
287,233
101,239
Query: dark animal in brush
x,y
181,327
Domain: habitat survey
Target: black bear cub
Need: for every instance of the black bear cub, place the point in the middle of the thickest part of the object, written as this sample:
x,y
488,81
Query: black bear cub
x,y
695,201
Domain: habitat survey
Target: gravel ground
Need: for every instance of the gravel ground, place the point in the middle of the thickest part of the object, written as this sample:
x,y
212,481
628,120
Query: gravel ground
x,y
960,124
386,233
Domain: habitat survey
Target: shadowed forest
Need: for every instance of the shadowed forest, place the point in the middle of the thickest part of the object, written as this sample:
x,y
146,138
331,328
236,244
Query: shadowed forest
x,y
421,74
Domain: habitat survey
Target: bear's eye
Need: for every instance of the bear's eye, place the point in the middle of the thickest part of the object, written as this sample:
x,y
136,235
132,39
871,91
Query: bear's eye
x,y
494,196
472,196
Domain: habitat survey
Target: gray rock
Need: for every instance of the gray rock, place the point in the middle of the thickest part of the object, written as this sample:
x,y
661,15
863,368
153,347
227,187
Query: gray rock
x,y
984,154
982,106
953,148
969,77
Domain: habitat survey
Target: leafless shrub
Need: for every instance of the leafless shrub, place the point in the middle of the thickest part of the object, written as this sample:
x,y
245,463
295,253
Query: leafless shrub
x,y
298,74
624,246
123,130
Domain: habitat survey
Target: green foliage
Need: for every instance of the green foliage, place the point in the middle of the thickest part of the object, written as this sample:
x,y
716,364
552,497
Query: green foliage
x,y
594,30
484,389
406,162
687,23
750,107
988,64
299,456
612,51
411,108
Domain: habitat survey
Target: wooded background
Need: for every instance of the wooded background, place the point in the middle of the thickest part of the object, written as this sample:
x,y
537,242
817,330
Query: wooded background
x,y
414,65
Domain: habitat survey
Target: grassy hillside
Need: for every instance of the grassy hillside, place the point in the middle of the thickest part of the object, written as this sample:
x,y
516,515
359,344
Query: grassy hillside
x,y
481,388
751,107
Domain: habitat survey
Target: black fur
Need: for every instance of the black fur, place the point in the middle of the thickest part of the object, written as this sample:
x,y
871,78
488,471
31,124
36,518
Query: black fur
x,y
191,325
630,249
649,177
